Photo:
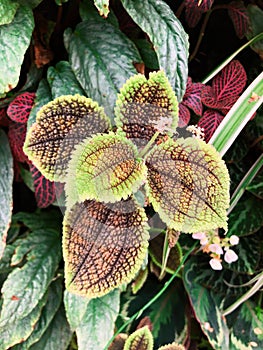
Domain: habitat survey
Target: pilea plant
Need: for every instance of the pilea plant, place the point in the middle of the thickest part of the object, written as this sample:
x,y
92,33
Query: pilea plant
x,y
105,231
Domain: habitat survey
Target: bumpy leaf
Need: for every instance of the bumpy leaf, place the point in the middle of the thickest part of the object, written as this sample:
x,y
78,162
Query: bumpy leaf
x,y
102,61
168,37
106,168
92,320
142,104
25,286
6,201
141,339
239,16
104,245
209,122
173,346
188,185
11,59
60,125
19,109
7,11
103,7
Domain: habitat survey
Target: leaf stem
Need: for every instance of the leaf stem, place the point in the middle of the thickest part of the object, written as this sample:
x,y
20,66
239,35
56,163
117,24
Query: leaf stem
x,y
146,149
157,296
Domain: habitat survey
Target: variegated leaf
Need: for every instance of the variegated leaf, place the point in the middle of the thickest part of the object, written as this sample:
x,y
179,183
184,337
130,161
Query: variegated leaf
x,y
141,339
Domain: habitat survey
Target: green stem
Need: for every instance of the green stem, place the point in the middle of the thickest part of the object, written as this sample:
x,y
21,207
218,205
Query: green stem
x,y
139,312
165,256
146,149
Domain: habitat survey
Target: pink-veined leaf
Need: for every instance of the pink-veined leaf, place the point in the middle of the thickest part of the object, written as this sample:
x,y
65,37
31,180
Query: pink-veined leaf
x,y
17,135
239,16
19,109
226,87
4,121
209,122
45,190
184,115
194,11
192,96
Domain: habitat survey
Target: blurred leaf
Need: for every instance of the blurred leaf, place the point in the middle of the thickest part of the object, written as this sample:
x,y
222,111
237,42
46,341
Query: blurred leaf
x,y
89,11
103,7
168,37
247,328
256,186
147,52
11,58
101,61
6,189
92,320
25,286
17,135
27,178
5,261
256,27
7,11
239,15
58,334
54,297
247,216
40,220
205,307
62,80
30,3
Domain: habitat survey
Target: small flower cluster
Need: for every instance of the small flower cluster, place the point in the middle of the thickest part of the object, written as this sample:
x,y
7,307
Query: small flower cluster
x,y
215,246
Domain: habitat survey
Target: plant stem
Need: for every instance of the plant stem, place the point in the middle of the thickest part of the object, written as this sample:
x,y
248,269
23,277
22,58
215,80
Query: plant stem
x,y
139,312
146,149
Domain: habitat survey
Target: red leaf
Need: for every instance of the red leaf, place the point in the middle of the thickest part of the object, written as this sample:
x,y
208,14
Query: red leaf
x,y
209,122
239,16
19,109
194,11
226,87
4,121
17,135
192,96
45,191
184,115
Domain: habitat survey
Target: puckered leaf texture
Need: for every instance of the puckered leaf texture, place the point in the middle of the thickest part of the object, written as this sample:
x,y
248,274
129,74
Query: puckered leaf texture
x,y
188,185
141,339
104,245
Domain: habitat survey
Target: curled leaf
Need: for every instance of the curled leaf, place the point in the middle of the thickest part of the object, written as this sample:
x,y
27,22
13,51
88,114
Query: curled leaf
x,y
141,339
188,185
106,168
60,125
104,245
173,346
142,104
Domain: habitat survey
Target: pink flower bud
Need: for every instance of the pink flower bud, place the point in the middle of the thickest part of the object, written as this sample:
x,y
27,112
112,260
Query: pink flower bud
x,y
215,264
215,248
199,235
234,240
230,256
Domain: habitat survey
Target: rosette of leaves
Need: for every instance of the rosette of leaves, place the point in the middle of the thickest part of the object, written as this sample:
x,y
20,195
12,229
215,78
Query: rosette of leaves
x,y
105,236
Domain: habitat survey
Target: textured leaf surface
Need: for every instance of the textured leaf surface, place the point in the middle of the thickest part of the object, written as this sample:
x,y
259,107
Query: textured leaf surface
x,y
239,16
54,297
58,334
195,9
60,125
6,180
142,105
106,168
210,122
11,59
63,81
29,283
101,61
17,135
103,7
173,346
188,185
40,220
141,339
7,11
256,26
168,37
205,307
192,96
248,207
184,115
103,245
93,320
19,109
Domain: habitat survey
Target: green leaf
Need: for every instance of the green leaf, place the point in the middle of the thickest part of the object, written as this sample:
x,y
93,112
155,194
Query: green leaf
x,y
141,339
30,3
104,246
168,37
105,168
248,207
144,106
256,26
11,58
173,346
6,259
6,189
92,320
62,80
247,328
101,61
7,11
103,7
205,307
188,185
25,286
256,186
48,312
147,52
58,334
60,125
